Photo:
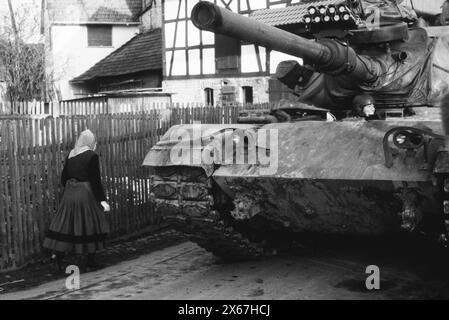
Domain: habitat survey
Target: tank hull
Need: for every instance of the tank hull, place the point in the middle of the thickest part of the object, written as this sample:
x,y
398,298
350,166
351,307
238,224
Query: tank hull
x,y
329,178
332,178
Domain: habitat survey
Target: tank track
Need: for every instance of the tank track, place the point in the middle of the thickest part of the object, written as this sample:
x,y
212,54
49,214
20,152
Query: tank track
x,y
183,196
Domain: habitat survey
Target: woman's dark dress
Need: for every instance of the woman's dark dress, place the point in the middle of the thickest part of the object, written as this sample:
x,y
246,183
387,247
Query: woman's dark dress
x,y
80,223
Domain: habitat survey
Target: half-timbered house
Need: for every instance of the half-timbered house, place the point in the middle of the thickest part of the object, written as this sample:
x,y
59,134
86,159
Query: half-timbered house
x,y
206,68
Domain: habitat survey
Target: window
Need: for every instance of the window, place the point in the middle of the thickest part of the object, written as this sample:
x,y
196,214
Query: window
x,y
228,94
209,93
247,95
99,35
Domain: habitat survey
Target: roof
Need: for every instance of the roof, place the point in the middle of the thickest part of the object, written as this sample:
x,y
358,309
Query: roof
x,y
100,11
289,15
141,53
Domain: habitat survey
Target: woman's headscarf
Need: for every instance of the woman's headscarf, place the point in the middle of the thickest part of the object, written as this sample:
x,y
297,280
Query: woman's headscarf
x,y
86,141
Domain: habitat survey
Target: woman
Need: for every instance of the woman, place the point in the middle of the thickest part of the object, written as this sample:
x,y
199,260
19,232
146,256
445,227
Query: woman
x,y
80,224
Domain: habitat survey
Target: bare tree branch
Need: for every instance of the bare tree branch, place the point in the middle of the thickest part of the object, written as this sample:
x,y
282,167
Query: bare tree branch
x,y
13,20
23,63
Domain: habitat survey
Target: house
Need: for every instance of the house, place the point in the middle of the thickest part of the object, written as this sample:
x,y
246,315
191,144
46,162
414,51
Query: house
x,y
81,33
135,65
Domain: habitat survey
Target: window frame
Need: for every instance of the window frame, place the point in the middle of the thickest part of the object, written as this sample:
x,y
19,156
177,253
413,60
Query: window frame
x,y
209,96
245,93
89,30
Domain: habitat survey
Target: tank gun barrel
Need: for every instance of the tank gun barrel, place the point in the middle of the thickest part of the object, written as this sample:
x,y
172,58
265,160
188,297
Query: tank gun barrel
x,y
328,56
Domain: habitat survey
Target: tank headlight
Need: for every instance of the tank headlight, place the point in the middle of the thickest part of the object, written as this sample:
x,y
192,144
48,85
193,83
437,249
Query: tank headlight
x,y
401,139
408,140
312,10
416,139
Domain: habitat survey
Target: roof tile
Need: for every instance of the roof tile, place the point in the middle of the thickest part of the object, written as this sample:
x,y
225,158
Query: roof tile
x,y
94,10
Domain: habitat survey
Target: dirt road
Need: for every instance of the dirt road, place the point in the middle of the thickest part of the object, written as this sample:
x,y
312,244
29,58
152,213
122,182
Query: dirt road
x,y
186,271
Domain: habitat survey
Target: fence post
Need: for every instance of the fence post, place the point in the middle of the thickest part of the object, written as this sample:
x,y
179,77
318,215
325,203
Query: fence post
x,y
15,193
55,109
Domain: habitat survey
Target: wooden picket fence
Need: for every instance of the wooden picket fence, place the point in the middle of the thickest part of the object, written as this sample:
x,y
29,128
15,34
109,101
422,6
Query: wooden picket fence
x,y
32,152
28,108
99,106
38,108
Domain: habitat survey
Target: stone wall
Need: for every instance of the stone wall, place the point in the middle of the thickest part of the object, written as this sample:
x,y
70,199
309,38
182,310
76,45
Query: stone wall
x,y
192,90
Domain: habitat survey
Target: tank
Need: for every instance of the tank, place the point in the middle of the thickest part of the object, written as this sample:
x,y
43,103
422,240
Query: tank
x,y
314,167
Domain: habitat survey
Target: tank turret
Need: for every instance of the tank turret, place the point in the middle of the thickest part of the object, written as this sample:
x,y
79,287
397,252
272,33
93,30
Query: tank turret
x,y
382,55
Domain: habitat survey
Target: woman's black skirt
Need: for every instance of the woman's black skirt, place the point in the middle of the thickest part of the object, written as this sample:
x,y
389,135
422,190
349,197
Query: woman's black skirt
x,y
80,224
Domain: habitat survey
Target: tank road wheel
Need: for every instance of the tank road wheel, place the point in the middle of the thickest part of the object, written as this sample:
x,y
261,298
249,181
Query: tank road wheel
x,y
184,197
